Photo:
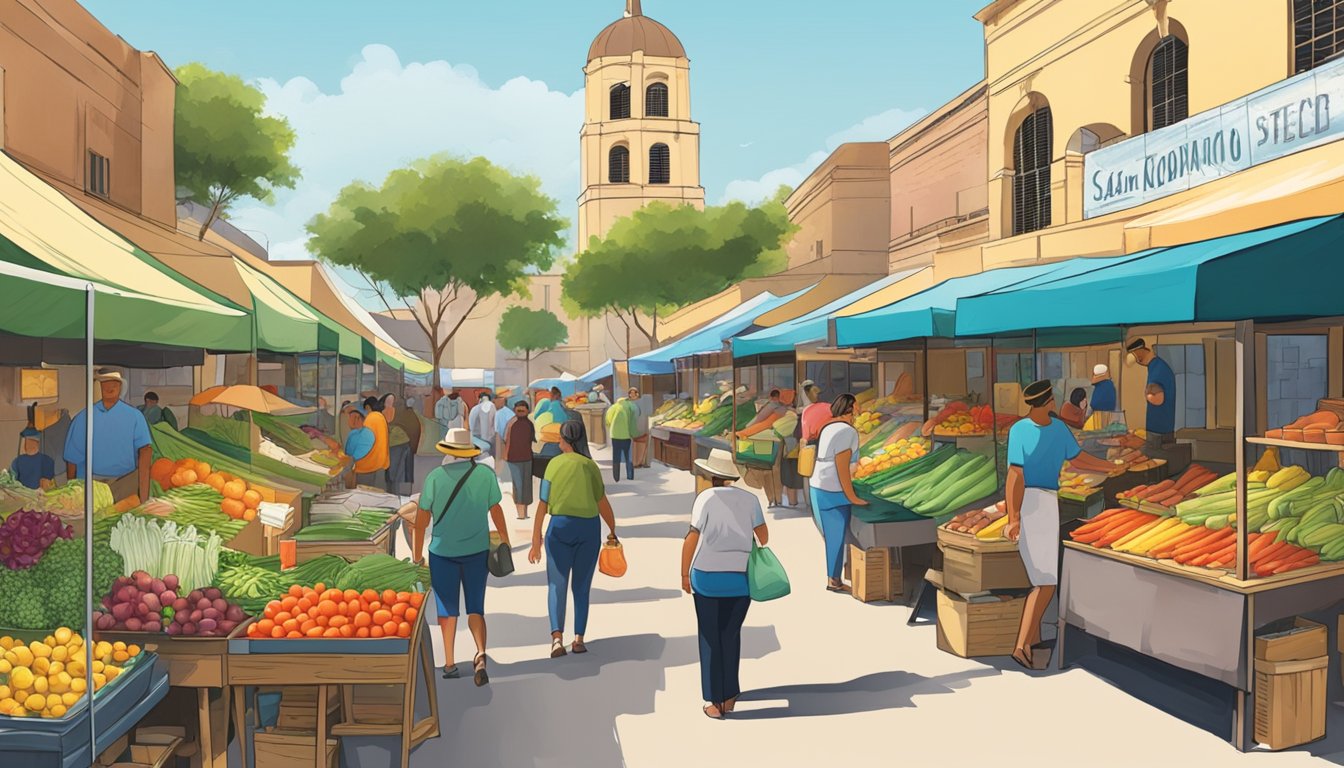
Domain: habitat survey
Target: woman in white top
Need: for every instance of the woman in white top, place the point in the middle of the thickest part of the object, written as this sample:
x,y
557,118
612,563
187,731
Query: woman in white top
x,y
832,486
714,569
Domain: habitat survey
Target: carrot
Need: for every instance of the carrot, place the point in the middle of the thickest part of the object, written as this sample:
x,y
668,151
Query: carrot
x,y
1120,531
1259,542
1100,520
1095,533
1201,544
1300,555
1166,497
1272,552
1136,534
1206,547
1168,548
1160,488
1292,565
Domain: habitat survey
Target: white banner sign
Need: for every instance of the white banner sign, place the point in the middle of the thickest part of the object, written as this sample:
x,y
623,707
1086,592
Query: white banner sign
x,y
1287,117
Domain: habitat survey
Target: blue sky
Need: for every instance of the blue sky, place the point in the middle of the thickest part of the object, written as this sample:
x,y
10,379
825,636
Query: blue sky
x,y
370,86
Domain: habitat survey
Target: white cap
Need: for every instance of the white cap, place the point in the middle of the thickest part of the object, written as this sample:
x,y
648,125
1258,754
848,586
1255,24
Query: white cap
x,y
1100,370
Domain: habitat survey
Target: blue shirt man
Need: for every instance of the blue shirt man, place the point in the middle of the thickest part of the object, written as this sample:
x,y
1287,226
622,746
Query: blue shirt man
x,y
121,441
360,440
1160,391
1103,390
1041,451
32,469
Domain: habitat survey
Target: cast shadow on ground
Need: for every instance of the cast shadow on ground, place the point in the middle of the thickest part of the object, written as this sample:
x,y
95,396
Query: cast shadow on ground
x,y
870,693
672,529
560,712
635,595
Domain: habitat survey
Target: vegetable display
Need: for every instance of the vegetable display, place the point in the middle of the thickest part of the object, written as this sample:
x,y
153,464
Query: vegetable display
x,y
721,418
893,454
1318,427
47,678
238,499
26,535
287,436
1171,492
361,527
959,479
379,572
252,587
140,603
52,592
332,613
987,524
161,549
171,444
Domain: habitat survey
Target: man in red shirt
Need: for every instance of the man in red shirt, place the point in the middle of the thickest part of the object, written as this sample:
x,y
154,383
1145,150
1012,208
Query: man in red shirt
x,y
518,439
814,416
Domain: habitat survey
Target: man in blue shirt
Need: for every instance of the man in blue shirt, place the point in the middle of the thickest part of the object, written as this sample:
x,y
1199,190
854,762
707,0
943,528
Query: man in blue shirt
x,y
1160,392
1038,447
359,441
122,448
33,469
1103,389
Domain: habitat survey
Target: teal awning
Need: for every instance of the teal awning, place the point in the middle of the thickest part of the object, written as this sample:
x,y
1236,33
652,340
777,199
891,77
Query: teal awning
x,y
604,371
1285,272
710,337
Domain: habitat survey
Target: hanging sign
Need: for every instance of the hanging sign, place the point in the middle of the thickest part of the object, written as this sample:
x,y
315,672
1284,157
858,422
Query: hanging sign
x,y
1292,115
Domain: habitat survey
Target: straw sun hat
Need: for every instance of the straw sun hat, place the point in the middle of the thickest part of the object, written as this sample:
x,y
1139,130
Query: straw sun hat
x,y
458,443
719,464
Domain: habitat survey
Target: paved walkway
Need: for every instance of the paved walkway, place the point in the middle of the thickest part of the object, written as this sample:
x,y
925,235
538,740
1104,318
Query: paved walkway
x,y
831,682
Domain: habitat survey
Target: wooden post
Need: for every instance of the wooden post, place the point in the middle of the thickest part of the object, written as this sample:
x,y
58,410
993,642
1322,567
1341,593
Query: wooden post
x,y
1245,399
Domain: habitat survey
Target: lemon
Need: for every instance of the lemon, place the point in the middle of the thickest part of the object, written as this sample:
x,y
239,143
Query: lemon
x,y
98,666
35,703
40,685
60,653
63,635
78,685
7,706
76,669
21,678
6,642
41,666
41,650
53,700
22,656
99,680
49,641
55,668
69,699
59,710
112,672
5,667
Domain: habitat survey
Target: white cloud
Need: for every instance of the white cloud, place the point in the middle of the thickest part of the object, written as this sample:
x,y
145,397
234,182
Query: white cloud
x,y
387,114
879,127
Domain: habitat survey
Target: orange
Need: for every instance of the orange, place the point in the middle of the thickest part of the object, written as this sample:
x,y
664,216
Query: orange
x,y
417,599
289,603
347,631
399,609
295,591
314,632
304,604
277,632
389,596
327,608
293,635
322,621
403,596
362,632
331,632
249,515
369,596
291,625
375,631
331,595
339,621
404,630
319,587
264,627
351,594
363,619
382,617
306,625
390,628
411,613
282,617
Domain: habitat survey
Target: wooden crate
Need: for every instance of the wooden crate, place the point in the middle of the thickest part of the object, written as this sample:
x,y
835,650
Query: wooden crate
x,y
1290,640
971,565
380,543
970,629
875,574
1290,701
280,748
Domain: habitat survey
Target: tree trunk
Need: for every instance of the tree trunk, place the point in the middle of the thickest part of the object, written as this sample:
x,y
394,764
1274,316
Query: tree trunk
x,y
527,369
210,219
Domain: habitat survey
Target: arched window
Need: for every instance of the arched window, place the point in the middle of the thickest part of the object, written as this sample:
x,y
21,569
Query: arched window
x,y
618,162
1168,83
655,100
620,102
1031,182
1318,32
660,164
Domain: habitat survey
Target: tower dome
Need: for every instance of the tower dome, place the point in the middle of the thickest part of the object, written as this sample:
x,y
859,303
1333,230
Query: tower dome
x,y
636,32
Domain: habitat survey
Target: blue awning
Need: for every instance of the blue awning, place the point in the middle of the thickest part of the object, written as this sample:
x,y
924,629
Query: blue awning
x,y
1285,272
710,337
604,371
811,327
932,313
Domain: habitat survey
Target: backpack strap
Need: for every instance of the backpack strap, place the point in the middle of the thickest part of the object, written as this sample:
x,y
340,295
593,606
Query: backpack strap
x,y
456,489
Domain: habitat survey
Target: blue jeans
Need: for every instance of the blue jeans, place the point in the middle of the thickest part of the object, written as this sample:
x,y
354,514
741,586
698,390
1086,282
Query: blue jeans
x,y
622,450
832,510
572,547
719,620
459,576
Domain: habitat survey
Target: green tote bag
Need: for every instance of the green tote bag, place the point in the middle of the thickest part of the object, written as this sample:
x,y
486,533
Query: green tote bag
x,y
766,579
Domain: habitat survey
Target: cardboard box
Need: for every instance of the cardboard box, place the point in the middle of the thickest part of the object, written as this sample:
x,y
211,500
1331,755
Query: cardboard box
x,y
970,629
875,574
1290,701
1291,640
278,748
971,565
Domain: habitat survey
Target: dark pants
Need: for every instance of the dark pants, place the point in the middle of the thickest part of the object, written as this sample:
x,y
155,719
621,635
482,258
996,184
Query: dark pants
x,y
572,547
622,450
401,469
720,622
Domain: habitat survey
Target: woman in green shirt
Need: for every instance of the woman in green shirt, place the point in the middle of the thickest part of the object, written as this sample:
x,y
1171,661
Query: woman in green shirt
x,y
573,494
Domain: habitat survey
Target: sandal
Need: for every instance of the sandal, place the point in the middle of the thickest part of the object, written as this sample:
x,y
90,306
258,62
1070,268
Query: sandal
x,y
557,648
480,677
579,647
843,589
729,706
451,673
712,712
1023,660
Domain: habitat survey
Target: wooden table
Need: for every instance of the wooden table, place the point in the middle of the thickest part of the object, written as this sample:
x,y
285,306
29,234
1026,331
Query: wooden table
x,y
346,666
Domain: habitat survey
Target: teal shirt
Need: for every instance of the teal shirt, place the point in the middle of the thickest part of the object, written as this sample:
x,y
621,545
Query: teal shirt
x,y
463,529
1041,451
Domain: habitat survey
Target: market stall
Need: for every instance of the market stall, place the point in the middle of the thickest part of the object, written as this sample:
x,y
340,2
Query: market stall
x,y
1203,585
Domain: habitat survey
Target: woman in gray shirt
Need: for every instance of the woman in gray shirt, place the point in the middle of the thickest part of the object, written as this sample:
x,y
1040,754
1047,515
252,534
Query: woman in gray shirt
x,y
714,569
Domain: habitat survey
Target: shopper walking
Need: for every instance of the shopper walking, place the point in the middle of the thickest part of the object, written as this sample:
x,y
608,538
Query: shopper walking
x,y
457,498
832,486
623,426
482,419
1038,446
449,411
403,437
503,415
814,413
573,495
518,439
714,558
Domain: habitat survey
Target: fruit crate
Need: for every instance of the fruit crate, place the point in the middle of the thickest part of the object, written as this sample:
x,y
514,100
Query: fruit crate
x,y
192,662
380,542
64,742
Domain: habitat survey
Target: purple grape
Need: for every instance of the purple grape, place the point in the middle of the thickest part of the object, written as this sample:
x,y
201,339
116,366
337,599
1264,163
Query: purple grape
x,y
202,604
133,624
121,612
180,604
157,586
143,580
152,601
151,626
197,615
234,614
174,629
168,597
207,626
171,582
189,628
220,604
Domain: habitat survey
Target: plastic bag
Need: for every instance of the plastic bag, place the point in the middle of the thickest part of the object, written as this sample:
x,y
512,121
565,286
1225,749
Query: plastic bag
x,y
766,579
611,561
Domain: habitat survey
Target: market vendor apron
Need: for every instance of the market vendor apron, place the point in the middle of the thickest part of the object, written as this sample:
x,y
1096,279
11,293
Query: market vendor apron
x,y
1038,539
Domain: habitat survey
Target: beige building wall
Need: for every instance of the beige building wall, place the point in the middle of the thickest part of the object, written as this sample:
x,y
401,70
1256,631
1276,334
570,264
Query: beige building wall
x,y
843,213
70,86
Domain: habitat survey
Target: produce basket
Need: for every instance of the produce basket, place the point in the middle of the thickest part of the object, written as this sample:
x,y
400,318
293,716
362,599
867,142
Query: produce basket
x,y
388,646
759,454
381,541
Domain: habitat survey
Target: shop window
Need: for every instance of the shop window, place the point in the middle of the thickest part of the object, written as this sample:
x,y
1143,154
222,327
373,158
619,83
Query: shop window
x,y
1168,83
1318,32
1014,367
660,164
837,378
1297,376
1187,363
618,163
620,102
97,180
1031,180
975,371
655,100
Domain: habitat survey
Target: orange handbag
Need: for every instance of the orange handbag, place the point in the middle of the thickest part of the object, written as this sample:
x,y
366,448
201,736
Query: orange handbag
x,y
611,561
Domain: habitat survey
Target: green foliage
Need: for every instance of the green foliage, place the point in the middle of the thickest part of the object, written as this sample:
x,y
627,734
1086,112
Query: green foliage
x,y
51,593
225,147
531,330
663,257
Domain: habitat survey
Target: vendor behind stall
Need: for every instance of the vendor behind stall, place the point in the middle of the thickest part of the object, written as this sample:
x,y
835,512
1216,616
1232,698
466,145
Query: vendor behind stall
x,y
1160,392
1038,447
1074,412
33,469
359,444
155,413
1103,389
122,448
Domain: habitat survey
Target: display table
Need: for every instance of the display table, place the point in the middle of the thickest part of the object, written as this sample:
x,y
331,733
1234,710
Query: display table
x,y
1191,618
905,533
325,664
672,447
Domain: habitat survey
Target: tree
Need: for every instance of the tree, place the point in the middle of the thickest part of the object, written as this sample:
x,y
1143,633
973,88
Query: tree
x,y
663,257
225,148
528,331
445,233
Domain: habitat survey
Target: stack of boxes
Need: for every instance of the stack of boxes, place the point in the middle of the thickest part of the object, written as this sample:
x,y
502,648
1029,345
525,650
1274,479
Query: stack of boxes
x,y
1291,666
981,595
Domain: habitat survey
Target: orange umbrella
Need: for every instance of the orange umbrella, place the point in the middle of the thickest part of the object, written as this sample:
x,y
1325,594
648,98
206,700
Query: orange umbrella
x,y
249,398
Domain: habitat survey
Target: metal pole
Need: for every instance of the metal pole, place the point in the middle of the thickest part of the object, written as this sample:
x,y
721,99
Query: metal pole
x,y
1245,345
88,518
